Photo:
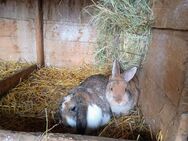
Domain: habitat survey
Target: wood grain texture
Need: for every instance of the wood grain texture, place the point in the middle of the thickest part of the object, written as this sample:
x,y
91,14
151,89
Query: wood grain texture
x,y
13,80
23,136
69,39
163,81
39,34
171,14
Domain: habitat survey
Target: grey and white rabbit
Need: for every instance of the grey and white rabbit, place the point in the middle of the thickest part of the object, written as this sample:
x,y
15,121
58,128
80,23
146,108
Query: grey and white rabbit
x,y
122,90
86,106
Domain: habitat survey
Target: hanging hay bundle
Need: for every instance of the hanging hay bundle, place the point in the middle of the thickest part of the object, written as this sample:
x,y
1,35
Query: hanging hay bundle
x,y
8,68
123,30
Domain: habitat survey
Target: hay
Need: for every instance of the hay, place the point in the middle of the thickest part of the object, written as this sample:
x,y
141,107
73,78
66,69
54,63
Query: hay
x,y
160,136
8,68
123,30
38,97
43,89
132,126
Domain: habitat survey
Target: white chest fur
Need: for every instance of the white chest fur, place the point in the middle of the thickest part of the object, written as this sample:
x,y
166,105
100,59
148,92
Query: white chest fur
x,y
71,121
95,117
120,108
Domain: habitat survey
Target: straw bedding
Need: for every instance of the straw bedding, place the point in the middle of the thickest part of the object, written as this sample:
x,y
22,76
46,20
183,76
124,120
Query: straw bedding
x,y
8,68
131,126
43,90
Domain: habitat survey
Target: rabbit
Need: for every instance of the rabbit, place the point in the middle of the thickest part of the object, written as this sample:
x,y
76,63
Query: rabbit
x,y
86,107
122,90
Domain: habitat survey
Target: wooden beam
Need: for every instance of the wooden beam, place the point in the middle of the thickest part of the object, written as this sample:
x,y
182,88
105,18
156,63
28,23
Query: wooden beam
x,y
13,80
39,33
23,136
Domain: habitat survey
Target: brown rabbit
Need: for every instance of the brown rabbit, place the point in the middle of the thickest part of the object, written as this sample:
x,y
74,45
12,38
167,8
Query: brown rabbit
x,y
86,106
122,90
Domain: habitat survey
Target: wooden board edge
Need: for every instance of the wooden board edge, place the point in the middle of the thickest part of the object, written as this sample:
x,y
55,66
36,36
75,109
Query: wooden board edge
x,y
35,136
10,82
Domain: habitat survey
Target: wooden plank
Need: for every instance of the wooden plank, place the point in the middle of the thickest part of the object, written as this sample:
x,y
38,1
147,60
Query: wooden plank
x,y
39,33
170,14
17,40
23,136
68,38
17,30
182,134
11,81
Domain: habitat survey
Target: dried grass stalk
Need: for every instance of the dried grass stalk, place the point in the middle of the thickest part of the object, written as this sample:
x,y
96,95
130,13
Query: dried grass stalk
x,y
44,89
47,86
132,126
123,30
8,68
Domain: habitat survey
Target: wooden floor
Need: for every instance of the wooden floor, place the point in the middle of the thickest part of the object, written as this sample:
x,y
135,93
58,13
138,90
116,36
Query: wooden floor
x,y
23,136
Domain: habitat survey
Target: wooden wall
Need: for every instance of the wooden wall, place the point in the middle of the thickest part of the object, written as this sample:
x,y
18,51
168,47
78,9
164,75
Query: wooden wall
x,y
164,77
17,30
68,39
170,14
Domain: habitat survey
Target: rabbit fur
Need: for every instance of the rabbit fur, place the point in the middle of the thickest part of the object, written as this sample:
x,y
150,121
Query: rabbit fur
x,y
122,90
86,106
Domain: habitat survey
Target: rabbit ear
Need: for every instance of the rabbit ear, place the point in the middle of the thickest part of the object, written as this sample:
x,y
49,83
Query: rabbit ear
x,y
81,114
115,69
129,74
81,121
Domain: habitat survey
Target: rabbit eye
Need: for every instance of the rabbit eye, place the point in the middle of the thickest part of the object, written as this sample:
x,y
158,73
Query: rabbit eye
x,y
111,89
73,109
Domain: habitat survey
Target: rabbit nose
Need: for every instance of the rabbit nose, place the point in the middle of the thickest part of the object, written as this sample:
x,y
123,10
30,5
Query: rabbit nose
x,y
117,99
